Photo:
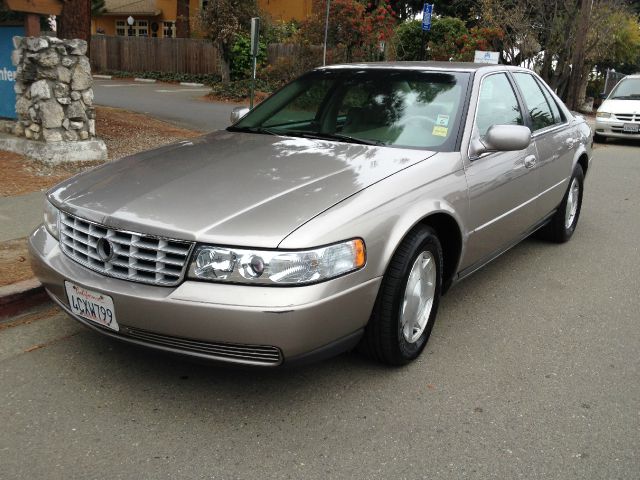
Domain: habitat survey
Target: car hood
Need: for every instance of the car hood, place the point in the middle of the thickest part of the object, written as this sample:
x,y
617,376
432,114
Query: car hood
x,y
620,106
229,188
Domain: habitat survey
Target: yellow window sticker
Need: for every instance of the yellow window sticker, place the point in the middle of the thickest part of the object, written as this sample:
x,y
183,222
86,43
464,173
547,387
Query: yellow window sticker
x,y
440,131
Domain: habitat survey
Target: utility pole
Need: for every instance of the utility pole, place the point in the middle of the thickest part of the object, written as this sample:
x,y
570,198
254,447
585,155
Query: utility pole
x,y
326,34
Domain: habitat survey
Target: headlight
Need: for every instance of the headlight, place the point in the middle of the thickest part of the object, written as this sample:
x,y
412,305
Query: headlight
x,y
277,267
51,218
602,115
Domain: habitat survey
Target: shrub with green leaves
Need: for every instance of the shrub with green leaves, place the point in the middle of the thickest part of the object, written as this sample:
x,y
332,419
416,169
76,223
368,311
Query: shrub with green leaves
x,y
241,60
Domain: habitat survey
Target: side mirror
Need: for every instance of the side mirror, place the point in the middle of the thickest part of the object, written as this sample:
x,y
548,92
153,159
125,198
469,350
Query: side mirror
x,y
603,96
501,138
237,113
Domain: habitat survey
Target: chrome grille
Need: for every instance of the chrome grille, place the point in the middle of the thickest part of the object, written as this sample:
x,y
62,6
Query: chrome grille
x,y
261,354
135,257
627,117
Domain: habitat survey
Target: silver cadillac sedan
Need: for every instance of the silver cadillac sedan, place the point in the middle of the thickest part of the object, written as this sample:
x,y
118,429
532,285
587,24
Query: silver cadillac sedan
x,y
334,215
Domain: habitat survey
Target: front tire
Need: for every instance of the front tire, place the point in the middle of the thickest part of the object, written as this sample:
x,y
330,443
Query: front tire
x,y
597,138
563,223
407,303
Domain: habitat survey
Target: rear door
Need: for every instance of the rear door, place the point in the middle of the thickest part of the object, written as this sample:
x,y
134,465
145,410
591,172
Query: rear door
x,y
554,138
503,185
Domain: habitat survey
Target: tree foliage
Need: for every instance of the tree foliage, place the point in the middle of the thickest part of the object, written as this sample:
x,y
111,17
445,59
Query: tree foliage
x,y
564,40
355,29
222,21
449,39
97,8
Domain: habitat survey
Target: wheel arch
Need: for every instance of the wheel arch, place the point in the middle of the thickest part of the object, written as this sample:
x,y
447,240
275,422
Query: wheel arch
x,y
449,232
450,235
583,161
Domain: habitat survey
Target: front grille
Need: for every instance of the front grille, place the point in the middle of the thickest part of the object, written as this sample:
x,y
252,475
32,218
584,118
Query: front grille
x,y
261,354
128,256
627,117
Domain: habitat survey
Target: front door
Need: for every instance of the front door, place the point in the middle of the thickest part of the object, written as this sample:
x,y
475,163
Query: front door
x,y
503,185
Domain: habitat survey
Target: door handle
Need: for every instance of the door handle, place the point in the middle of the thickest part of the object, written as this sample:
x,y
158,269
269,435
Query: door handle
x,y
530,161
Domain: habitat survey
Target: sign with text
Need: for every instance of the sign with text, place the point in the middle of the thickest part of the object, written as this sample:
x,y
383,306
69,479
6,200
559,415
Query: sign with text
x,y
427,13
486,57
8,71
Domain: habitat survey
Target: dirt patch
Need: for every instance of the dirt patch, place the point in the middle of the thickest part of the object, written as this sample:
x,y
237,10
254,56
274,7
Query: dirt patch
x,y
125,133
14,261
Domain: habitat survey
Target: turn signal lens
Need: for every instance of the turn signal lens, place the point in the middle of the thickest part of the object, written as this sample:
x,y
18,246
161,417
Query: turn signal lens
x,y
277,267
51,219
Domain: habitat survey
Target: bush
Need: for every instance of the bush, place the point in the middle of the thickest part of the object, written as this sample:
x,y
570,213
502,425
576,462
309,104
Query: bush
x,y
241,61
206,78
238,90
407,40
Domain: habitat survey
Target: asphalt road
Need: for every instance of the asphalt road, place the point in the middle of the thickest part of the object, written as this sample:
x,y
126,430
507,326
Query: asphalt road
x,y
183,106
532,372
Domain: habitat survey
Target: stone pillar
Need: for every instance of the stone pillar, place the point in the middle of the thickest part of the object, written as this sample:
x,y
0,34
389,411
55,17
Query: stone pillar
x,y
54,95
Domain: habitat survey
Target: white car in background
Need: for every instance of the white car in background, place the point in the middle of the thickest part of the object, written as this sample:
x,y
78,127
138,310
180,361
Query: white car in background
x,y
619,114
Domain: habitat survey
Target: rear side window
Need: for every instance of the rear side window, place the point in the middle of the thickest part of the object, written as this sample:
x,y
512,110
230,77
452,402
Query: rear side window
x,y
557,113
497,104
537,105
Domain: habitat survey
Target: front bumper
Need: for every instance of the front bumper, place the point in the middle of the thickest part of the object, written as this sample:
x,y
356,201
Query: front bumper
x,y
220,322
613,128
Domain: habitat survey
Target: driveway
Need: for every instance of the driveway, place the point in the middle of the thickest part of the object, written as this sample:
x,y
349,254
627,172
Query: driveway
x,y
532,371
183,106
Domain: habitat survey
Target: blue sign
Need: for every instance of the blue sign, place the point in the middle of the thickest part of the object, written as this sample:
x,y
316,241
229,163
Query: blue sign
x,y
427,11
8,71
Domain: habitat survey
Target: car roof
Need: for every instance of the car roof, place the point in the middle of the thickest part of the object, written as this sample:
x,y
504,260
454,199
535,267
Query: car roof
x,y
457,66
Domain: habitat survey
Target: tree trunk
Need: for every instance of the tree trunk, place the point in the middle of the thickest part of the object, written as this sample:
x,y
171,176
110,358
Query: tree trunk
x,y
75,20
183,29
225,68
579,54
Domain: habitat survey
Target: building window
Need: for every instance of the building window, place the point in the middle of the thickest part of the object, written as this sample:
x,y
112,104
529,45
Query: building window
x,y
121,28
140,28
169,29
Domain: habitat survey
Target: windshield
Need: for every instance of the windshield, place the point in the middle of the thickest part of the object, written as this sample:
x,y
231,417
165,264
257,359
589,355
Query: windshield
x,y
370,106
628,89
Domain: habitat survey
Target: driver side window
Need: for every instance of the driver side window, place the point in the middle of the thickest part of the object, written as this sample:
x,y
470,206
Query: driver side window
x,y
497,104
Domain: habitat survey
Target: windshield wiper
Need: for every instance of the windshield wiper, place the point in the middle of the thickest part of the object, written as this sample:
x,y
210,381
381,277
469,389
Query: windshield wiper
x,y
335,136
261,130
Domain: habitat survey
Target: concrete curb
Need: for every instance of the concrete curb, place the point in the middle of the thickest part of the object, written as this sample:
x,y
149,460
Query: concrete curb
x,y
144,80
103,77
191,84
20,296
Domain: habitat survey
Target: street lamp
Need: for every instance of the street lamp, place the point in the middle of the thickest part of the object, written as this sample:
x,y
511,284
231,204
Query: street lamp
x,y
130,21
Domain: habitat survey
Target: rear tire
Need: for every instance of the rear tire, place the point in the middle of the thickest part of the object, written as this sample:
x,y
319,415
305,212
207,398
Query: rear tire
x,y
407,303
564,221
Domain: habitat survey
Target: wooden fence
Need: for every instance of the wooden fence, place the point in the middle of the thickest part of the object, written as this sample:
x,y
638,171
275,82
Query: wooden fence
x,y
145,54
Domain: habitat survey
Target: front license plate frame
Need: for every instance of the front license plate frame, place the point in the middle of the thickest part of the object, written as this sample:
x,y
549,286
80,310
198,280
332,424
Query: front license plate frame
x,y
91,305
631,128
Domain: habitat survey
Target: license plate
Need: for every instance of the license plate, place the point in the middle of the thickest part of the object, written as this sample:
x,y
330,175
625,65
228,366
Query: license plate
x,y
631,128
94,306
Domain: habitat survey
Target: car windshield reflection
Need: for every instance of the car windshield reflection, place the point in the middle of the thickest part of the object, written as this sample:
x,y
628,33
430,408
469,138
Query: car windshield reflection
x,y
372,107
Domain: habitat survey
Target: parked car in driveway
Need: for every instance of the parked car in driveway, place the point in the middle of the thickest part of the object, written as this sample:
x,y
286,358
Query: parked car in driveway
x,y
333,215
619,114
